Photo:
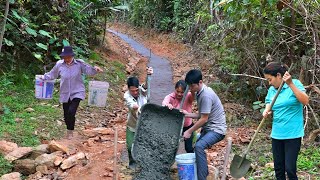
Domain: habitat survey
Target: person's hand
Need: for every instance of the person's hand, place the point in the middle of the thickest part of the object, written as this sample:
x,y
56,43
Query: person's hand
x,y
187,134
169,106
149,70
98,69
185,112
40,77
266,113
287,78
135,107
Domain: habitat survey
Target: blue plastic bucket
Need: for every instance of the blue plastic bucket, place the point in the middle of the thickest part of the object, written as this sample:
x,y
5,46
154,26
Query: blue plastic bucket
x,y
44,88
187,169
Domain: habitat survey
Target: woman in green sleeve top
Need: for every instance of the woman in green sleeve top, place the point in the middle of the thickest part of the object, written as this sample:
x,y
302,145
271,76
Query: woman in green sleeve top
x,y
287,124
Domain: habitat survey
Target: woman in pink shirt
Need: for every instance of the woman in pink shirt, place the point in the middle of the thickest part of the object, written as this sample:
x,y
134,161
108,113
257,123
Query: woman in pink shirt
x,y
173,100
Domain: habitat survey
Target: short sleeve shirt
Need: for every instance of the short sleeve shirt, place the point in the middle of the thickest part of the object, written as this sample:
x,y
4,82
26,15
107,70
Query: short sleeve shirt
x,y
287,112
209,103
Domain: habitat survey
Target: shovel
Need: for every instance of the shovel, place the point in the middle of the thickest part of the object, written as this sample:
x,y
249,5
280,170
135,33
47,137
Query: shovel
x,y
240,165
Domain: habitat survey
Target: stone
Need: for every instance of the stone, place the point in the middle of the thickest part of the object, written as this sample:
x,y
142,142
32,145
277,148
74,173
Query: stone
x,y
72,160
42,147
7,147
48,159
35,176
269,165
97,131
55,146
43,169
25,166
11,176
30,110
38,151
18,153
58,161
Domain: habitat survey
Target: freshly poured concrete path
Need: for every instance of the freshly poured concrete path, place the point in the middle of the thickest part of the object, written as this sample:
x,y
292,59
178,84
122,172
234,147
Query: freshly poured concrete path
x,y
161,82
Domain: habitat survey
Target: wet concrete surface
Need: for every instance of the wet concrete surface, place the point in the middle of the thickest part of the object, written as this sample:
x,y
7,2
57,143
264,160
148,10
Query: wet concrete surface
x,y
161,80
156,141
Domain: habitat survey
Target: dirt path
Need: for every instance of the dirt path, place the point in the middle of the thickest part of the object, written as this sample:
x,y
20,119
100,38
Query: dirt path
x,y
100,151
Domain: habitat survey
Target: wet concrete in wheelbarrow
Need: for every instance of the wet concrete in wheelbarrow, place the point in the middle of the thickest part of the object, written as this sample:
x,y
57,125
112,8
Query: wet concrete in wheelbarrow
x,y
161,80
156,141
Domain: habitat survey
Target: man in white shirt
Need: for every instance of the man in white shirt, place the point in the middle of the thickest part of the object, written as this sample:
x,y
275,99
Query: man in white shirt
x,y
135,97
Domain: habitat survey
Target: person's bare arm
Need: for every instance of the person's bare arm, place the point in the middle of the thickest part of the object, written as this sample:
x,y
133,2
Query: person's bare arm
x,y
203,119
301,96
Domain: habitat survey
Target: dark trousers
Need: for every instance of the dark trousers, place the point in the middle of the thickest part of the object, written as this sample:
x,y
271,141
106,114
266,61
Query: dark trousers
x,y
188,142
69,112
285,155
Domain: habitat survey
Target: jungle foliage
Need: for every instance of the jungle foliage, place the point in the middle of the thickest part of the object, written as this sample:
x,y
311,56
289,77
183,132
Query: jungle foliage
x,y
240,37
35,31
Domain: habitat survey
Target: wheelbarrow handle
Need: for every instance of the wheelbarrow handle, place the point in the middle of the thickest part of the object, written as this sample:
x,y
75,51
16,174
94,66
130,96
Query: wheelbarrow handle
x,y
263,119
181,105
184,97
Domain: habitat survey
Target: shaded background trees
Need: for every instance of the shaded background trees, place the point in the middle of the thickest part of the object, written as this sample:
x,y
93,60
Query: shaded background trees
x,y
234,37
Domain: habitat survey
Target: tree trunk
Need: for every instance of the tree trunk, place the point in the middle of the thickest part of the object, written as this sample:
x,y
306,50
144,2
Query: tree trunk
x,y
4,23
292,32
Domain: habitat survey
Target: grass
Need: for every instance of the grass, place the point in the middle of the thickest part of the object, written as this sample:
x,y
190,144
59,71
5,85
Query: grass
x,y
19,125
5,166
30,128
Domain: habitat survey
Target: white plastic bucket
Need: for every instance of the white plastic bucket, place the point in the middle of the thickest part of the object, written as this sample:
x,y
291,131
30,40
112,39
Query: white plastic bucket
x,y
98,92
187,168
44,88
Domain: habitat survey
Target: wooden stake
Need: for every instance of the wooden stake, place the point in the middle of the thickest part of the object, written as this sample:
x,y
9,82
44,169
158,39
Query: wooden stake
x,y
226,160
115,169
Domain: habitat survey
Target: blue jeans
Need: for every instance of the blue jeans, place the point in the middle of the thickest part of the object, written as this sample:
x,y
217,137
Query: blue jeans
x,y
206,140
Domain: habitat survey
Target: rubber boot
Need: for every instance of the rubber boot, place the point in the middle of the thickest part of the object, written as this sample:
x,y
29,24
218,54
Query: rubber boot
x,y
132,163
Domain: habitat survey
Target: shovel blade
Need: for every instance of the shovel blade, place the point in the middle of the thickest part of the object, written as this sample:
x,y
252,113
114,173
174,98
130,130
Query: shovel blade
x,y
239,169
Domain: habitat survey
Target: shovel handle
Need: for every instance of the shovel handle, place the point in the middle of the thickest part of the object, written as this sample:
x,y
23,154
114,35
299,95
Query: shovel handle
x,y
262,121
148,87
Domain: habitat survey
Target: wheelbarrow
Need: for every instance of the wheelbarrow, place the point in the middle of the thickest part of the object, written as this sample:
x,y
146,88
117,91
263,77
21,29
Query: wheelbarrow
x,y
157,138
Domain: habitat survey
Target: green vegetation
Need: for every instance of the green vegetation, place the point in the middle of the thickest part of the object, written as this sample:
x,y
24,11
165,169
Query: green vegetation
x,y
26,128
309,161
5,166
240,36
